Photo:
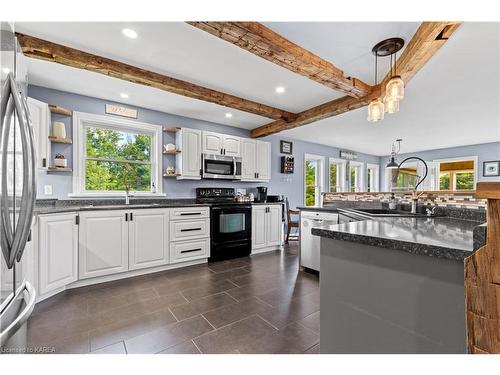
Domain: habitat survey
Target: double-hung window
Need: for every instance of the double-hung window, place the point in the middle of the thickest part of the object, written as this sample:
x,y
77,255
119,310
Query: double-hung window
x,y
336,175
113,155
356,175
372,177
313,179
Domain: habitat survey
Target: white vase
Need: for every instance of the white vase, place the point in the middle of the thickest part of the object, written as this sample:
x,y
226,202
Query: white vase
x,y
59,129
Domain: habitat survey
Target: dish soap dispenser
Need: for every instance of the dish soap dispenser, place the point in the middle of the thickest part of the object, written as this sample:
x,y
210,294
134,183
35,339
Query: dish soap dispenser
x,y
392,202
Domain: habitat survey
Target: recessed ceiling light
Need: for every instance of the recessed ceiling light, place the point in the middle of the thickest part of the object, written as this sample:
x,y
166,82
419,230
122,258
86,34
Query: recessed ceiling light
x,y
280,89
6,70
124,95
129,33
229,115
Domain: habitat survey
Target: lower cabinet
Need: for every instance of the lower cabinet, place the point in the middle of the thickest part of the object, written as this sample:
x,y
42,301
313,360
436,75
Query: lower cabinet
x,y
266,227
57,251
103,243
189,250
148,238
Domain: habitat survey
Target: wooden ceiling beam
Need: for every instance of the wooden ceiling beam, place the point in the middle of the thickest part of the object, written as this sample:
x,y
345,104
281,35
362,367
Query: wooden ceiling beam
x,y
428,39
263,42
44,50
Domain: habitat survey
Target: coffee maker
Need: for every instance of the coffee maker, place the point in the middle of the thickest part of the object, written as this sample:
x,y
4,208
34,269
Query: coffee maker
x,y
261,194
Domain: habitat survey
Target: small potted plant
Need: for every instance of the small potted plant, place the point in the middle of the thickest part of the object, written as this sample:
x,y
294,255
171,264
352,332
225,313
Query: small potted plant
x,y
60,161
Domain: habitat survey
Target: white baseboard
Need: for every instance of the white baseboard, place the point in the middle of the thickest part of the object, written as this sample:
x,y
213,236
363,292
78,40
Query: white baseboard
x,y
266,250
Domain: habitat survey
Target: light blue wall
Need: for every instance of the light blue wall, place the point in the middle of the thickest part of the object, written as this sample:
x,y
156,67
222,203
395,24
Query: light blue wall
x,y
289,185
484,152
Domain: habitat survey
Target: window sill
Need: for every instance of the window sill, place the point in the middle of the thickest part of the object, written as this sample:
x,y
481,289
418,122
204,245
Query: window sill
x,y
115,195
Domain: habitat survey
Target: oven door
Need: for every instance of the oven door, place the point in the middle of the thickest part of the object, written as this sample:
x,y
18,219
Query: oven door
x,y
231,223
219,166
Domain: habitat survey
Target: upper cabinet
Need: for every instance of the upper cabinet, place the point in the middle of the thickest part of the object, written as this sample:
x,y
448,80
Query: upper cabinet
x,y
256,160
188,161
40,118
221,144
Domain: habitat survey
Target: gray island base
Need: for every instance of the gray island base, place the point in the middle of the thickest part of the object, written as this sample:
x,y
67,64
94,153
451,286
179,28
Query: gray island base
x,y
381,300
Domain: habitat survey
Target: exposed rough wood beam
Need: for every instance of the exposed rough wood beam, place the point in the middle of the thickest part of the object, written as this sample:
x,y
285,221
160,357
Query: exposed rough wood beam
x,y
322,111
263,42
45,50
429,37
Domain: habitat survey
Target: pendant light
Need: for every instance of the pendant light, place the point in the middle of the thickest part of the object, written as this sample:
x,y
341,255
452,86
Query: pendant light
x,y
391,104
376,107
393,164
395,88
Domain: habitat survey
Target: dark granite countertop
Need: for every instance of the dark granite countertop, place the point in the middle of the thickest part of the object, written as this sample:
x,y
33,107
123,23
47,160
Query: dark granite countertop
x,y
45,207
440,237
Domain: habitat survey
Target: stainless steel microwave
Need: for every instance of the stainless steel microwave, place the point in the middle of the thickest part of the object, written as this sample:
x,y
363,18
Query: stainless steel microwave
x,y
221,167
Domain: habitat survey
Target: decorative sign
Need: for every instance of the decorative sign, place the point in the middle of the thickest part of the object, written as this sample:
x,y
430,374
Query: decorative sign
x,y
491,168
121,111
349,155
286,147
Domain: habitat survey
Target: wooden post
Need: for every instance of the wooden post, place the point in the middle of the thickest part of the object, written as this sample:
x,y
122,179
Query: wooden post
x,y
482,280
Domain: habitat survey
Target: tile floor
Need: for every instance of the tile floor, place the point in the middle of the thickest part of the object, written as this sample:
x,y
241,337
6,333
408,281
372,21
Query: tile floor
x,y
259,304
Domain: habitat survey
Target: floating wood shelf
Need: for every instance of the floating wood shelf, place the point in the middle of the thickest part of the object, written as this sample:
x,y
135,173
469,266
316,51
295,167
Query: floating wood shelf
x,y
60,140
171,130
171,175
171,152
60,110
58,169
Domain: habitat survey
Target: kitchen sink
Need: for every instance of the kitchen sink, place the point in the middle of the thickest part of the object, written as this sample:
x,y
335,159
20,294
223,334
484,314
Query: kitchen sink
x,y
385,212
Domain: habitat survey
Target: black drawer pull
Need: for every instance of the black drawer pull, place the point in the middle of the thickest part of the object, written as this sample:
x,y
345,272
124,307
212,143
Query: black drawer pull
x,y
190,229
190,213
190,251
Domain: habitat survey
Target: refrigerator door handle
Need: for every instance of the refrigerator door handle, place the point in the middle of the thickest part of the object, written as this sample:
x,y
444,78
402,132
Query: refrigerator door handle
x,y
29,295
7,110
19,237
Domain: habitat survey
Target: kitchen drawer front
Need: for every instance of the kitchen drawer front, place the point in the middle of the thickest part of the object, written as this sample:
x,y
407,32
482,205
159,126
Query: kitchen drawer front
x,y
189,229
189,213
184,251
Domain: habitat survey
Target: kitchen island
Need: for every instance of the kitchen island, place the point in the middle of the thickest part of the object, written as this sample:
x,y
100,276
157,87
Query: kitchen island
x,y
394,285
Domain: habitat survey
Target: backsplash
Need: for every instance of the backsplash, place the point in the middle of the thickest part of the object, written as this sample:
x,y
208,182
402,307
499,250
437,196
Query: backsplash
x,y
439,198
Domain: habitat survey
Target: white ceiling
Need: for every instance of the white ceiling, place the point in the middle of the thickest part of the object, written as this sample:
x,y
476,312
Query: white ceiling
x,y
453,101
348,45
450,102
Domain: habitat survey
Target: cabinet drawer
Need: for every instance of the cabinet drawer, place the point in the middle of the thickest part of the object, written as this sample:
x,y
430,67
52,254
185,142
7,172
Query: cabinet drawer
x,y
189,213
189,250
187,229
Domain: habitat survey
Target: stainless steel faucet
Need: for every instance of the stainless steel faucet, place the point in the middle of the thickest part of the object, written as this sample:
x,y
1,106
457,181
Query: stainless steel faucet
x,y
127,196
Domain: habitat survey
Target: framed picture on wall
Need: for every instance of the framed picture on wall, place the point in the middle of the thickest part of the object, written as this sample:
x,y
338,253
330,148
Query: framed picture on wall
x,y
286,147
491,168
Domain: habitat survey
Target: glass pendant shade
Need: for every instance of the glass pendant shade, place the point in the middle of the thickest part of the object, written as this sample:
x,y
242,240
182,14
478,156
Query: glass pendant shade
x,y
376,110
391,105
395,88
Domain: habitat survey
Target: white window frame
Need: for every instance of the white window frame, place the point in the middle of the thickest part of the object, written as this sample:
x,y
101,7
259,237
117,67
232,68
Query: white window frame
x,y
375,177
341,163
461,158
361,176
319,177
82,120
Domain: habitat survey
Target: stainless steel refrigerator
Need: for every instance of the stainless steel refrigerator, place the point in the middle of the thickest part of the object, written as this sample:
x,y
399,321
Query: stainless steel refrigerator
x,y
17,194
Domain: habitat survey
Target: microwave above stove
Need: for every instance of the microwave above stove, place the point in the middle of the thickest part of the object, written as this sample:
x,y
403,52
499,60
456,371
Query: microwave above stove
x,y
221,167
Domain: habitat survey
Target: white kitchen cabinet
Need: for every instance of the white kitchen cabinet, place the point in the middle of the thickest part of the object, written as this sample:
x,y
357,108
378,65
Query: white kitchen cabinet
x,y
248,159
221,144
259,228
273,225
57,251
183,251
148,238
232,145
189,229
188,161
40,118
266,227
212,143
103,243
256,160
263,160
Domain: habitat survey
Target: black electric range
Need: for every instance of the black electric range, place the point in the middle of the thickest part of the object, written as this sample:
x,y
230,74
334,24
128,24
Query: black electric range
x,y
230,223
